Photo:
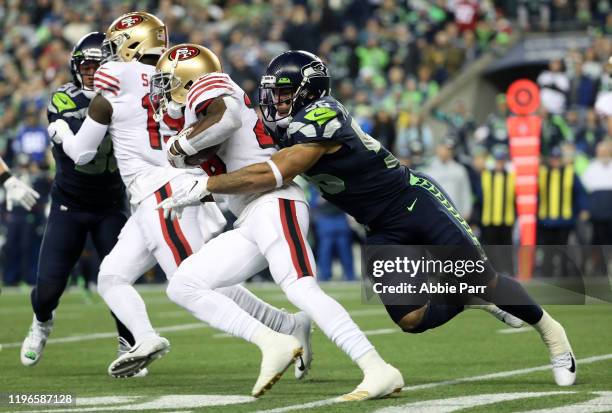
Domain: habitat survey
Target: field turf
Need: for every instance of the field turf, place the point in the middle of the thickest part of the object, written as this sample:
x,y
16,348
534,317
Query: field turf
x,y
471,364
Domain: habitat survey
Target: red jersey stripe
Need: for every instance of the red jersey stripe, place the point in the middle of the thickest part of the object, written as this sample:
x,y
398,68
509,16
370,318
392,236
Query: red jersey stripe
x,y
109,84
113,78
193,98
99,86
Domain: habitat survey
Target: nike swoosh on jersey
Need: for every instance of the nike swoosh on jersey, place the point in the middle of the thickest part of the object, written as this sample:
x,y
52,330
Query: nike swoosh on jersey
x,y
409,208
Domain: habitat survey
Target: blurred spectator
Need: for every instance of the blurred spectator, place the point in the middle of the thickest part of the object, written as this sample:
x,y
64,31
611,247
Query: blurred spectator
x,y
590,134
582,88
562,201
466,14
598,181
453,177
554,86
554,131
413,135
32,139
528,8
460,125
497,209
334,238
495,131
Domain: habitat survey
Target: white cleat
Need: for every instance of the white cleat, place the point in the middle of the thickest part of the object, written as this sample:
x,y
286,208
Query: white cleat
x,y
564,369
34,343
125,347
277,356
138,357
303,332
377,383
500,314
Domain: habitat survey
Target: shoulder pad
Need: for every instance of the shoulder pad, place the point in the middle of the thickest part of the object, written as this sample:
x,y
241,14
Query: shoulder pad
x,y
207,87
107,79
68,98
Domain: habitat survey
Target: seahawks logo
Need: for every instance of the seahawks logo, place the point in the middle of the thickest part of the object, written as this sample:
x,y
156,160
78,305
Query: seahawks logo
x,y
314,69
129,21
184,53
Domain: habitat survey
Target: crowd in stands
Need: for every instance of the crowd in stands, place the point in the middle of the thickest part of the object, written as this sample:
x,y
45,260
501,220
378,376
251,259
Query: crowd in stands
x,y
387,57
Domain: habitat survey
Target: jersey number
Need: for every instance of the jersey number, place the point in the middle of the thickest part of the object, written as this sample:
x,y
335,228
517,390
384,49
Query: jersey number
x,y
152,126
373,145
104,160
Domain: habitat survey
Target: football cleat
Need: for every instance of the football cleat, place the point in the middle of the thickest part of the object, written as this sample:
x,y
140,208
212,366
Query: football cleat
x,y
277,356
500,314
34,343
564,369
138,357
377,383
303,332
125,347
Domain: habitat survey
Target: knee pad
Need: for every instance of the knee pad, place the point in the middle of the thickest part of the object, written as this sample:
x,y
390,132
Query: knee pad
x,y
300,292
182,286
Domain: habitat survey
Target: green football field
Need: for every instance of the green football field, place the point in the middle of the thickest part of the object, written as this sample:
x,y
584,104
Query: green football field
x,y
471,364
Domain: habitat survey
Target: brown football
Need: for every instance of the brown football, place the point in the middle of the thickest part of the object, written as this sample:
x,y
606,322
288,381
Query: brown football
x,y
204,155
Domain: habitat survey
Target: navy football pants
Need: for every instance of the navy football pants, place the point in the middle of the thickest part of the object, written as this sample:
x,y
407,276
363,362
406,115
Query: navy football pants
x,y
63,243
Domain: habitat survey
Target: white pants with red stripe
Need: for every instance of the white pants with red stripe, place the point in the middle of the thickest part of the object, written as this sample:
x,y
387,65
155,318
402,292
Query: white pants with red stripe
x,y
148,238
273,234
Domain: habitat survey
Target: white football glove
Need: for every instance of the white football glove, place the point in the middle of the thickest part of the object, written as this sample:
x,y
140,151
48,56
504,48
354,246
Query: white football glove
x,y
58,131
18,192
189,194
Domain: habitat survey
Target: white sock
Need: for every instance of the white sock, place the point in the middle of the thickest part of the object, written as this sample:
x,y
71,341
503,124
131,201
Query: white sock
x,y
553,335
212,307
128,306
370,360
279,321
330,316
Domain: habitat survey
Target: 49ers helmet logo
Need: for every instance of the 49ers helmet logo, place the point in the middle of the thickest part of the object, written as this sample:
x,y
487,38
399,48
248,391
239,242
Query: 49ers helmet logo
x,y
184,53
129,21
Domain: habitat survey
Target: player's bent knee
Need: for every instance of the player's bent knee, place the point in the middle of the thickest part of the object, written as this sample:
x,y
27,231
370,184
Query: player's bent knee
x,y
413,321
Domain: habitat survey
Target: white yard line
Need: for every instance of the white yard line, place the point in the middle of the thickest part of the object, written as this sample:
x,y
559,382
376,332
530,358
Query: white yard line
x,y
377,332
96,336
509,373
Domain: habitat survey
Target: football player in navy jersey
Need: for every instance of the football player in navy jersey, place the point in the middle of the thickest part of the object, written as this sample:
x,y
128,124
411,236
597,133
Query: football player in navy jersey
x,y
85,199
398,206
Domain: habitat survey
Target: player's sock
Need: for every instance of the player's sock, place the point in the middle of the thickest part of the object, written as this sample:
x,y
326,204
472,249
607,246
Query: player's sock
x,y
370,360
330,316
553,335
123,331
125,302
277,320
508,290
212,307
435,315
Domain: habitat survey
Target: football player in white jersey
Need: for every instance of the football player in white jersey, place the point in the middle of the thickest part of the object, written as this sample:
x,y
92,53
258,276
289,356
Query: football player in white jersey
x,y
270,230
121,106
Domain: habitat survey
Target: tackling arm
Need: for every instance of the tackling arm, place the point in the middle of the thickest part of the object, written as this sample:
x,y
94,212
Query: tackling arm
x,y
261,177
82,147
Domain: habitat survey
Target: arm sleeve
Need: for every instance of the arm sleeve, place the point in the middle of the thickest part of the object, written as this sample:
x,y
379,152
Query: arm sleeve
x,y
82,147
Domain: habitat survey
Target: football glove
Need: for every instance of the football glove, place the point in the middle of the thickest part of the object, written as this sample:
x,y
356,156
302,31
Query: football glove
x,y
18,192
58,131
188,194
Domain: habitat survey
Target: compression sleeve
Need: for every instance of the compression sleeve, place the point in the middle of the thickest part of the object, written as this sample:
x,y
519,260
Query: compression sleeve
x,y
82,147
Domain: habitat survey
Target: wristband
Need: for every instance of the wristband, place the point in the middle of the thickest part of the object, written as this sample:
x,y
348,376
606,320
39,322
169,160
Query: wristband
x,y
4,176
277,174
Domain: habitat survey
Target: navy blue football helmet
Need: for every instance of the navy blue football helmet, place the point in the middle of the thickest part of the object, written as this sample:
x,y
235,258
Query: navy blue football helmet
x,y
87,49
295,77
